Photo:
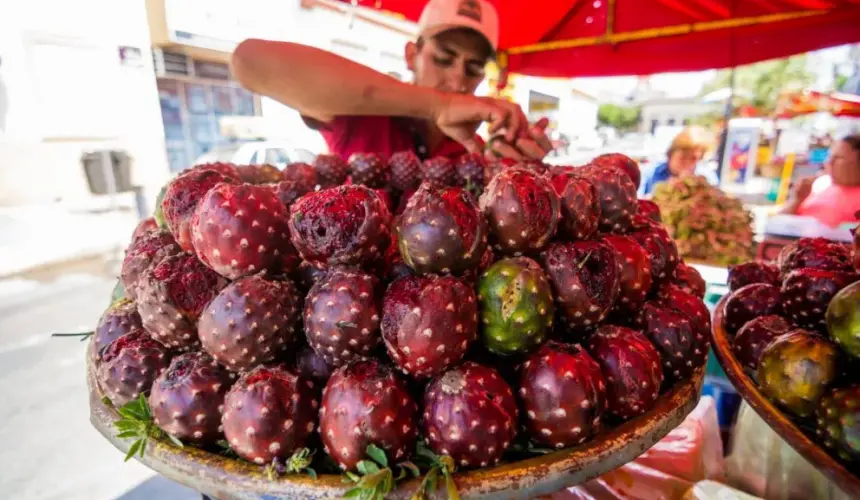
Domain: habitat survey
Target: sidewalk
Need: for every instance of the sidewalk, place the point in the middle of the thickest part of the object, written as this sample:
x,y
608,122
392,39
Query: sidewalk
x,y
37,236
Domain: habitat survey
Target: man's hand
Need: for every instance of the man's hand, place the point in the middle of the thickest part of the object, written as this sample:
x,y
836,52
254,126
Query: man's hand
x,y
801,190
459,116
533,145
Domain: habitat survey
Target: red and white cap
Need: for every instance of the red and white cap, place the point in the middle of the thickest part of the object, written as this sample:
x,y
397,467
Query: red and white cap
x,y
444,15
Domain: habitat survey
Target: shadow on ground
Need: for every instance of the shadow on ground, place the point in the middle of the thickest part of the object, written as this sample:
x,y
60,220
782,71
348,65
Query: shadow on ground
x,y
161,488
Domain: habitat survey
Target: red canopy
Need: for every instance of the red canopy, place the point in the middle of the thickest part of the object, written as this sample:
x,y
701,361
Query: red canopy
x,y
565,38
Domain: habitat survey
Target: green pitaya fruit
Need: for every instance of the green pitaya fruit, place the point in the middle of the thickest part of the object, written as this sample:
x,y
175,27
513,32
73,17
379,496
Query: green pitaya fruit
x,y
843,319
516,306
838,422
795,370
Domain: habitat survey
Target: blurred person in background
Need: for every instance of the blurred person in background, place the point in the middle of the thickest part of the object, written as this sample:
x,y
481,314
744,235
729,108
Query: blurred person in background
x,y
833,197
358,109
682,159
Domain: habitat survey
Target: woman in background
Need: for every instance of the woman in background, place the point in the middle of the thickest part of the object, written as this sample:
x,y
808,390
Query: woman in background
x,y
683,157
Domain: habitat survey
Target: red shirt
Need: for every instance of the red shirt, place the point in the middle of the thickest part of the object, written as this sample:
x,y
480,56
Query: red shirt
x,y
831,204
383,135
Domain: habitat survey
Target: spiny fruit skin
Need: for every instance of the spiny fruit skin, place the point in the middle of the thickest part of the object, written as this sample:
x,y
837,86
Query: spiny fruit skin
x,y
795,370
342,315
302,174
171,297
517,307
649,209
838,422
346,225
269,413
674,336
306,275
631,366
616,194
368,169
470,414
806,294
755,335
687,278
624,162
659,245
144,226
586,280
818,253
128,366
259,174
748,302
690,307
580,209
470,173
242,230
225,169
439,172
405,170
187,399
441,231
144,252
634,274
563,394
331,170
119,319
843,319
307,363
522,211
428,323
181,198
752,272
394,266
366,403
251,322
494,168
471,276
290,191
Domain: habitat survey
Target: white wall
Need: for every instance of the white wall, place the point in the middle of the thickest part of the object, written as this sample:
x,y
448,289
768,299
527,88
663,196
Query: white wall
x,y
68,93
675,109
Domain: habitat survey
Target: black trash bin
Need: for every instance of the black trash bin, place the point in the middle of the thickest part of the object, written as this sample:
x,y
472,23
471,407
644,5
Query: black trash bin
x,y
92,162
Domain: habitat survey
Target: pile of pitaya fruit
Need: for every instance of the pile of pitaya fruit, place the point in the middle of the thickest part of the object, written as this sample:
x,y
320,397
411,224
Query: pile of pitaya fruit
x,y
369,307
795,328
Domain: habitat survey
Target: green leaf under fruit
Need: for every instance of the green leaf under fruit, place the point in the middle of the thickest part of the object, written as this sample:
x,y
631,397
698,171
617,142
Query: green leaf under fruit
x,y
136,422
377,454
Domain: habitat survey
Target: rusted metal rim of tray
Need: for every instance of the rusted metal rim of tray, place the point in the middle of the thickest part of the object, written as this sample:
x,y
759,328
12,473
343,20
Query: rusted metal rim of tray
x,y
229,479
775,418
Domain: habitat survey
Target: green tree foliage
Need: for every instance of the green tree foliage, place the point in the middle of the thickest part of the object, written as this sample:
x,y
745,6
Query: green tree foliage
x,y
620,117
765,80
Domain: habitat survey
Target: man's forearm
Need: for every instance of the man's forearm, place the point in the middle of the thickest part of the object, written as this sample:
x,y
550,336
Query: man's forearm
x,y
322,85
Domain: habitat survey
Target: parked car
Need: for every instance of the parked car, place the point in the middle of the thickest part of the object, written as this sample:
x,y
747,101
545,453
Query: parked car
x,y
279,154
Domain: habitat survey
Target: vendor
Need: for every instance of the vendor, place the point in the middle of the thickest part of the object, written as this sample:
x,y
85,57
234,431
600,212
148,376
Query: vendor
x,y
834,197
358,109
683,157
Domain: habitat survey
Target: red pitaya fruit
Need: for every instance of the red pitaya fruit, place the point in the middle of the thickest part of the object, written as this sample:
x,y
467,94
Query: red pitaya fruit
x,y
172,295
225,169
342,316
439,172
634,272
251,322
405,170
470,414
470,173
494,167
385,196
616,194
563,393
691,307
259,174
187,399
428,323
659,245
818,253
623,162
631,366
748,273
368,169
675,337
120,319
586,279
649,209
689,280
289,191
302,174
307,363
331,170
580,209
748,302
181,198
269,413
144,226
306,275
345,225
366,403
755,335
441,231
806,294
471,276
522,211
395,268
144,252
242,230
127,367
